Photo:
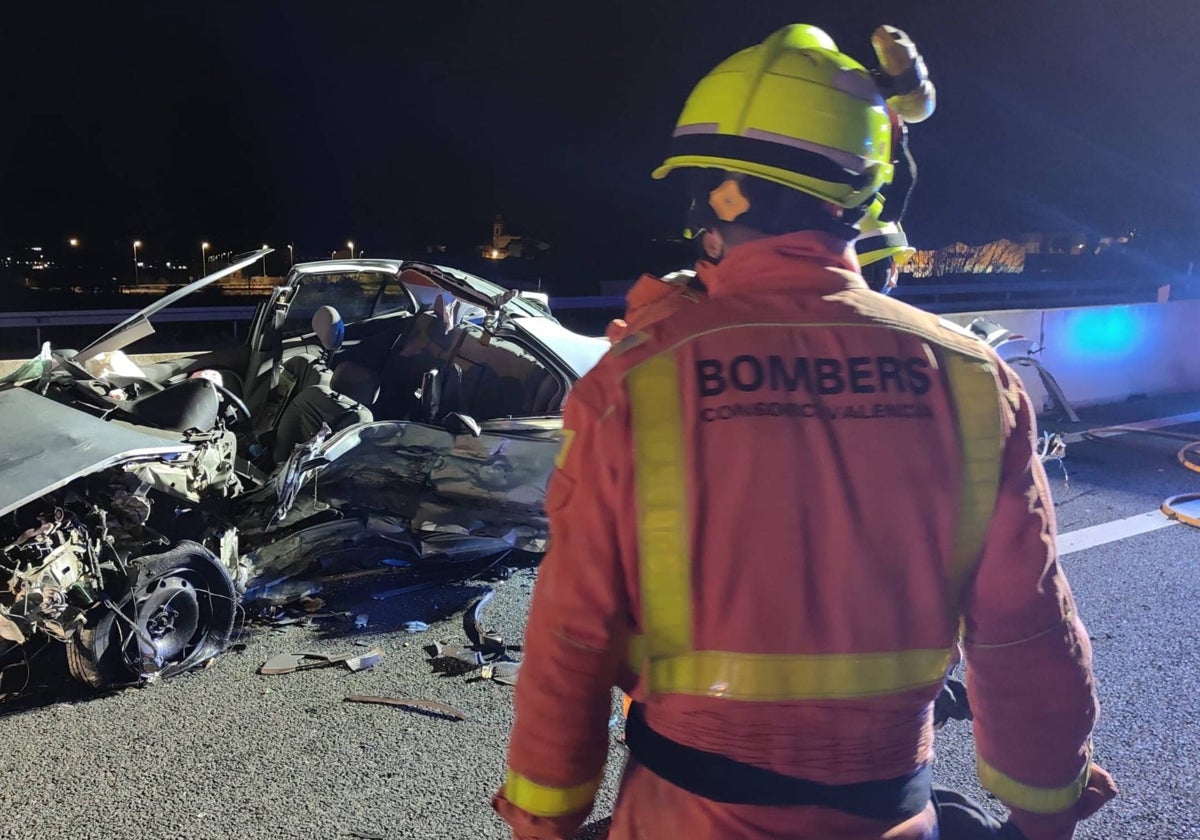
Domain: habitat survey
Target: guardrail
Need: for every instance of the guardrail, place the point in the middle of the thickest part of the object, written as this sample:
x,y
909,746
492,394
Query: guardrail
x,y
112,317
998,292
1005,292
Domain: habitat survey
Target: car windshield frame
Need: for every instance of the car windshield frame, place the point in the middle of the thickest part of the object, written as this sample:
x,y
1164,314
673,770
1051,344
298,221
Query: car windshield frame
x,y
138,325
488,289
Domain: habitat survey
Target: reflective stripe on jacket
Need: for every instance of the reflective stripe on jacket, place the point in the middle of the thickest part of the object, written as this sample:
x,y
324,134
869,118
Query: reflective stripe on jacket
x,y
774,512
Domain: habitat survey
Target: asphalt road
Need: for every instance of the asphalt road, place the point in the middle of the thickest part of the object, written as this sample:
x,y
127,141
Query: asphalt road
x,y
228,753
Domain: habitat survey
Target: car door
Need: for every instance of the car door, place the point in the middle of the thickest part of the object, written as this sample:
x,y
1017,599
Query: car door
x,y
365,296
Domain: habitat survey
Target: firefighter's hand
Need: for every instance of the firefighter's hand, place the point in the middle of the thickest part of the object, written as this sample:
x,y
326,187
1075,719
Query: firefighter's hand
x,y
1100,789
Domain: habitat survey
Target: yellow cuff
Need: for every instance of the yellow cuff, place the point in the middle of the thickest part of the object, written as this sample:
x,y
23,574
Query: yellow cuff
x,y
543,801
1036,800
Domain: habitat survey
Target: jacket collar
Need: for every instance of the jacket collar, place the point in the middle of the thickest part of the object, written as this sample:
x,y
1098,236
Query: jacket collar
x,y
794,261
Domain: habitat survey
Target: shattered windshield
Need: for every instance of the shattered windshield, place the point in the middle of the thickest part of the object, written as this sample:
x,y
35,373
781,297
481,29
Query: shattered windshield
x,y
351,293
35,368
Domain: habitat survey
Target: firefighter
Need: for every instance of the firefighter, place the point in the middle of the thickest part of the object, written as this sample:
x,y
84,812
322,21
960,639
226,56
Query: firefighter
x,y
777,512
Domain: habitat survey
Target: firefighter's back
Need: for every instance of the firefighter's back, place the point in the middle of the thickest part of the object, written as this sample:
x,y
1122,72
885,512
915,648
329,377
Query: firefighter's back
x,y
815,453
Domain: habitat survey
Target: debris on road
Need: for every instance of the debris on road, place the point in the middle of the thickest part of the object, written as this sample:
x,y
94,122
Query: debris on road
x,y
360,622
288,663
501,672
453,660
415,627
365,661
487,650
431,707
491,644
404,590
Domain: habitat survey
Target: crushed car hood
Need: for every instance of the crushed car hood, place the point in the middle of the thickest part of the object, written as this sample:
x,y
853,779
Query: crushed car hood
x,y
47,445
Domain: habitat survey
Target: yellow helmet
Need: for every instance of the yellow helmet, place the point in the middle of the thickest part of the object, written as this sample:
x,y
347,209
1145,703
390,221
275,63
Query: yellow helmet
x,y
792,110
878,240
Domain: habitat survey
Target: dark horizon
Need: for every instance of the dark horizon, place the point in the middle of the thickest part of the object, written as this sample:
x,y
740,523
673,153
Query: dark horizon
x,y
289,122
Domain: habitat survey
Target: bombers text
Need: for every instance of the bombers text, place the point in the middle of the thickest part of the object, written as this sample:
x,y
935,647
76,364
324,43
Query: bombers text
x,y
818,376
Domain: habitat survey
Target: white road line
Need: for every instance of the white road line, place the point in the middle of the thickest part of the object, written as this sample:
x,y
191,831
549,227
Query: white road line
x,y
1146,425
1120,529
1130,526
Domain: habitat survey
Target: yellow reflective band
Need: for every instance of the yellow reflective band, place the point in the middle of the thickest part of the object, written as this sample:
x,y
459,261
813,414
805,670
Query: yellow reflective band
x,y
568,437
1038,800
637,651
664,563
542,801
977,405
774,677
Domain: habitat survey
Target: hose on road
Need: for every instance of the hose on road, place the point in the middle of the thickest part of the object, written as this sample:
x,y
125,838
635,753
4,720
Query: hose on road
x,y
1188,456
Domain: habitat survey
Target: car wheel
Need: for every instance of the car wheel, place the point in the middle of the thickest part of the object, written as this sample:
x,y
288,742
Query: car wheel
x,y
177,613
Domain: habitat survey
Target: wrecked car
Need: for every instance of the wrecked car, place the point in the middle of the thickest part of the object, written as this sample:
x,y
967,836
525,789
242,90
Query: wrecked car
x,y
379,411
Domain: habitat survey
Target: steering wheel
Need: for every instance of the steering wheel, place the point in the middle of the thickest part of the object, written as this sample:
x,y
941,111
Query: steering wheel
x,y
234,400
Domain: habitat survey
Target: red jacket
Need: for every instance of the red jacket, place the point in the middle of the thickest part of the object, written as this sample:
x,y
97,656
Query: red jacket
x,y
774,512
650,299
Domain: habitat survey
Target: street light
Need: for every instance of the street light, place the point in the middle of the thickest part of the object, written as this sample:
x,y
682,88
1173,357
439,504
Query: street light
x,y
265,246
73,242
350,245
291,255
204,246
137,243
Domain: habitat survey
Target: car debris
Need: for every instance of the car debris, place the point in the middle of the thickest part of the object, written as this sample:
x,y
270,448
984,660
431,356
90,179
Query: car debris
x,y
360,621
1052,447
453,660
491,644
365,661
415,626
501,672
431,707
290,663
487,654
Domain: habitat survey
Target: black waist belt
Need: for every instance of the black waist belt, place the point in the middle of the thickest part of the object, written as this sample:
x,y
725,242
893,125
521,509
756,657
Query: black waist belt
x,y
722,779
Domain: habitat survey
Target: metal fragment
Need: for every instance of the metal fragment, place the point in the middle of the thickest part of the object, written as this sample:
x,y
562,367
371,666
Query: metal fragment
x,y
411,703
501,672
472,623
365,661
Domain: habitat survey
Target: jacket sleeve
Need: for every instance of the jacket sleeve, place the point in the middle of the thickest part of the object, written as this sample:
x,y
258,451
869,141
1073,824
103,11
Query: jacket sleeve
x,y
578,629
1029,670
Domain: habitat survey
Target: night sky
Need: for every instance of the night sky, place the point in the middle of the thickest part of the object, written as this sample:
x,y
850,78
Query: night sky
x,y
397,124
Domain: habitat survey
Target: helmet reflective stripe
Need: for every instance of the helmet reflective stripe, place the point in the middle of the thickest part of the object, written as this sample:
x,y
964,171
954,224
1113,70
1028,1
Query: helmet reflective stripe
x,y
852,163
886,241
724,151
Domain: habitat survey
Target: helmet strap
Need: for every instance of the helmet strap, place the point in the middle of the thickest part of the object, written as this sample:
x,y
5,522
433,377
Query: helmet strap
x,y
905,179
719,197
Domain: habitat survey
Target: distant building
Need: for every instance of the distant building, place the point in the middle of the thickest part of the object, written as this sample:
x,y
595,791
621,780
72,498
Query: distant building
x,y
505,245
1009,255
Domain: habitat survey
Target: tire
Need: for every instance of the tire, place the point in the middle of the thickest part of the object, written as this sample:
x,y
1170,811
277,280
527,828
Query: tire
x,y
183,605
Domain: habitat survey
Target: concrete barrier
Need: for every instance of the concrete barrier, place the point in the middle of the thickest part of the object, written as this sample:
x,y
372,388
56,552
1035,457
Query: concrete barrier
x,y
1098,354
7,366
1106,354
